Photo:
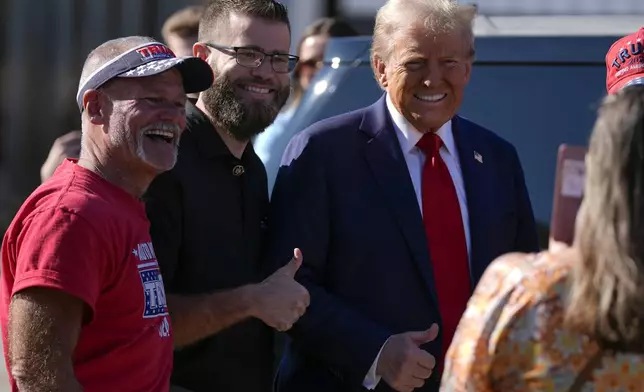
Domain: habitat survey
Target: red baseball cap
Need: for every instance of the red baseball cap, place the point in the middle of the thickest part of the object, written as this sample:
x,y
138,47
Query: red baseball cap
x,y
625,62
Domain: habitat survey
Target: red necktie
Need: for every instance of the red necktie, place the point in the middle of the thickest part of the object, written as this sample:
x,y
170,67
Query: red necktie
x,y
446,238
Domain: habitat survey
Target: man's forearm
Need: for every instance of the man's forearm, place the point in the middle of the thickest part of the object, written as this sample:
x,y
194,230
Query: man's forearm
x,y
44,326
197,317
30,378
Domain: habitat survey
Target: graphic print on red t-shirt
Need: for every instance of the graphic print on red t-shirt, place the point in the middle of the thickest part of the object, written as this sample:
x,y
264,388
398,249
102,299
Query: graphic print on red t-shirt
x,y
155,304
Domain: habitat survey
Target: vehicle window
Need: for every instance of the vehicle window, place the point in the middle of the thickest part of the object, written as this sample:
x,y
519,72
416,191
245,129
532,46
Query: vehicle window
x,y
536,108
341,90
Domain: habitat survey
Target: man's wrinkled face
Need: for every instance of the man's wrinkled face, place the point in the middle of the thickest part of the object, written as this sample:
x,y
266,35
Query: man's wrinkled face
x,y
426,76
242,100
146,120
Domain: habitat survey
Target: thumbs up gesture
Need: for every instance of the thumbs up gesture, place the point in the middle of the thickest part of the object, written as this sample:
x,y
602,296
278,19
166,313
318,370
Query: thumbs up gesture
x,y
403,364
291,268
280,301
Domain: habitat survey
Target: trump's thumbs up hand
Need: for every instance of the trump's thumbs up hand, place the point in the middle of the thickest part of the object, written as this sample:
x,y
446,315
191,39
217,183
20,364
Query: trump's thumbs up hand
x,y
403,364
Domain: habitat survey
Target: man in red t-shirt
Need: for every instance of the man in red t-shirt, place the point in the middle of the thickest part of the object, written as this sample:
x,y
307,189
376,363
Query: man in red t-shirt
x,y
82,304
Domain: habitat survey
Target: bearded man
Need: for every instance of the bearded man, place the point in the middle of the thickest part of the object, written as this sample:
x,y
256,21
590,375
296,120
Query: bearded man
x,y
207,213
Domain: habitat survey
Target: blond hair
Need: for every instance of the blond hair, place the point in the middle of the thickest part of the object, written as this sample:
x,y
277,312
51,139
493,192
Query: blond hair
x,y
607,282
184,23
434,16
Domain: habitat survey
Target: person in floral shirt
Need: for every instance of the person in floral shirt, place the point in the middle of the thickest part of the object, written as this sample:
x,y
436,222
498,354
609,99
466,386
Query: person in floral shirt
x,y
569,320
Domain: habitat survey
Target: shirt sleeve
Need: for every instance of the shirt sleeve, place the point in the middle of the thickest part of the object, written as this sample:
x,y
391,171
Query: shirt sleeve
x,y
484,348
61,250
372,380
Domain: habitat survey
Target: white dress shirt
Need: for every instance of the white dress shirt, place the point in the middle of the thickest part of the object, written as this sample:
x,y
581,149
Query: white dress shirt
x,y
408,136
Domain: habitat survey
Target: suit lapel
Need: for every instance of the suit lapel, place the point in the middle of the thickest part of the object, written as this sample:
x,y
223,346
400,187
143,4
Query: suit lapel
x,y
472,154
385,157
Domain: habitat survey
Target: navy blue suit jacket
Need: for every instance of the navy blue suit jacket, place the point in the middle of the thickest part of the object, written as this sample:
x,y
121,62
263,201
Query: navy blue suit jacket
x,y
344,196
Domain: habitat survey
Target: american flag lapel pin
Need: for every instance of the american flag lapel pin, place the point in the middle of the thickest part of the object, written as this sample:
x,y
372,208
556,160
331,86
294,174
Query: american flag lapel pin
x,y
478,157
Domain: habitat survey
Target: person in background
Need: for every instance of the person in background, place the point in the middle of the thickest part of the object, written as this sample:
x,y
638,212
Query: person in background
x,y
399,208
82,303
570,319
180,30
179,33
208,214
311,52
65,146
271,143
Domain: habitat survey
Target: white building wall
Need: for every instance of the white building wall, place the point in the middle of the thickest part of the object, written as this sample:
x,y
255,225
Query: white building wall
x,y
522,7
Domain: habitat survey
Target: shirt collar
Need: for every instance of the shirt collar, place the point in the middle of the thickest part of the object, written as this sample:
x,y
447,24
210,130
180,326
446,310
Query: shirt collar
x,y
209,142
408,136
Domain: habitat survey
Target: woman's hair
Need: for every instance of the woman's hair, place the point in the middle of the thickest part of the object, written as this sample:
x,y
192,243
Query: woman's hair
x,y
329,27
607,283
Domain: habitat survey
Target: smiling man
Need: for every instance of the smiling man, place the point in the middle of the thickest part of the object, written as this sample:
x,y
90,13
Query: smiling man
x,y
399,208
82,300
208,213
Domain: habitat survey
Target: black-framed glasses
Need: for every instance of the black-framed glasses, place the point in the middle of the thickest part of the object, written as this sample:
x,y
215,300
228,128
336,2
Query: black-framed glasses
x,y
252,57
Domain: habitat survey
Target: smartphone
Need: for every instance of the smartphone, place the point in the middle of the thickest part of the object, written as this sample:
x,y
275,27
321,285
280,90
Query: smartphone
x,y
569,191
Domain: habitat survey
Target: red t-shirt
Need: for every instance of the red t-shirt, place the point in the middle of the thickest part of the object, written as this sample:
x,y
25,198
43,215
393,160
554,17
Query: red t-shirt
x,y
83,235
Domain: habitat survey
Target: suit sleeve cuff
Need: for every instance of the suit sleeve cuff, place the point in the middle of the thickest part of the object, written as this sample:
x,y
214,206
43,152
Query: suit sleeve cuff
x,y
371,380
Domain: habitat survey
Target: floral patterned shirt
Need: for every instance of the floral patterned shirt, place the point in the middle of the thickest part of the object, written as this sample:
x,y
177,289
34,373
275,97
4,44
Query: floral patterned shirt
x,y
511,337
